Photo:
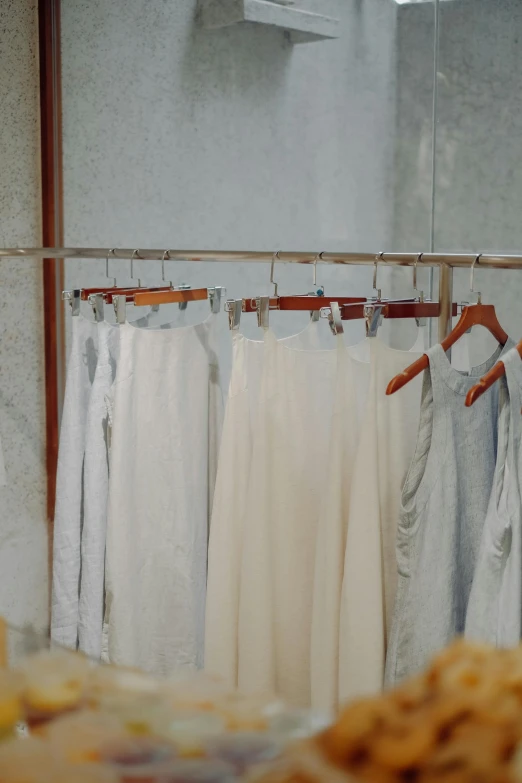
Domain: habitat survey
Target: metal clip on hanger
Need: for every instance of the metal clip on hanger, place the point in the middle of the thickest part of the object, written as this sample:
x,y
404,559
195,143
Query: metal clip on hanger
x,y
96,302
74,299
373,318
214,295
234,307
334,319
263,310
183,287
120,307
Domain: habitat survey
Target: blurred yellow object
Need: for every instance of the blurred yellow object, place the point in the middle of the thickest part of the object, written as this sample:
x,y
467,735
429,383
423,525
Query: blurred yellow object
x,y
10,702
54,682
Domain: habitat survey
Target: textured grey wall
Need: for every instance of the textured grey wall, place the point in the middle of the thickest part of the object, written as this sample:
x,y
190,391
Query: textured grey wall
x,y
23,529
228,139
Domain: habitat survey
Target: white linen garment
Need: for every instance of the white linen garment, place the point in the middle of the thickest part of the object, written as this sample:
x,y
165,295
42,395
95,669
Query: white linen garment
x,y
68,515
96,487
96,484
166,416
370,567
351,390
284,499
226,530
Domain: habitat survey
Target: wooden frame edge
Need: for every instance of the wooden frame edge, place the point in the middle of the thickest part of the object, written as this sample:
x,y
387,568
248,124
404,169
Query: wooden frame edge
x,y
52,232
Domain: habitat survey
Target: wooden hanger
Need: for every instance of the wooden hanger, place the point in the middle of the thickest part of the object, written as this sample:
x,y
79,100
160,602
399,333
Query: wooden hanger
x,y
151,296
398,308
145,297
129,293
473,315
488,380
304,302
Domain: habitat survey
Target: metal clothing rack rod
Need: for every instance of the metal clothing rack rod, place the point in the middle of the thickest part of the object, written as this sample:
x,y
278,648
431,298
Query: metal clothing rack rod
x,y
446,261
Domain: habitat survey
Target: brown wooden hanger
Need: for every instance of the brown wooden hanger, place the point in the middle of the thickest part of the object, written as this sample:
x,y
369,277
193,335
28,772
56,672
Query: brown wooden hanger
x,y
131,292
488,380
304,302
473,315
399,308
157,296
146,297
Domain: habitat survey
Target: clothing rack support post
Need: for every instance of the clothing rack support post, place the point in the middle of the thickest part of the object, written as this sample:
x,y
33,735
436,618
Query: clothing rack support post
x,y
445,300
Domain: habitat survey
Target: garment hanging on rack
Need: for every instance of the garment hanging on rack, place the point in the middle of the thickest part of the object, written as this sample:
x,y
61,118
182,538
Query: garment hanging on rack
x,y
166,416
285,497
352,377
96,485
226,530
68,514
443,508
370,569
495,604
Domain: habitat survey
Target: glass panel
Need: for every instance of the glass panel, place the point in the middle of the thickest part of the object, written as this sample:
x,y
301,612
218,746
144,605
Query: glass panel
x,y
479,125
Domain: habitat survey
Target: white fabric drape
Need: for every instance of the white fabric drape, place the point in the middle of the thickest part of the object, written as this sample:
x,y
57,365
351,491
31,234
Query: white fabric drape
x,y
228,514
284,499
166,418
68,516
370,568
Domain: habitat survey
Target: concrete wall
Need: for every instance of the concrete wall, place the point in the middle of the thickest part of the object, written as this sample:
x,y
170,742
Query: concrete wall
x,y
23,528
229,139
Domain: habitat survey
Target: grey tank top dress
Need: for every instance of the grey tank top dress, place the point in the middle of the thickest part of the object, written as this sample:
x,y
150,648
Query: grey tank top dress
x,y
495,604
443,508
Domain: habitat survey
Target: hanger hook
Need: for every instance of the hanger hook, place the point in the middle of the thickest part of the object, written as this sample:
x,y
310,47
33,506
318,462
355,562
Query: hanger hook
x,y
166,257
135,254
319,291
421,293
107,275
378,258
274,257
471,279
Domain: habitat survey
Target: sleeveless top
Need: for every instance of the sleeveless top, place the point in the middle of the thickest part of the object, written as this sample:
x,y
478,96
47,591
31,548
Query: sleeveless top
x,y
443,508
495,605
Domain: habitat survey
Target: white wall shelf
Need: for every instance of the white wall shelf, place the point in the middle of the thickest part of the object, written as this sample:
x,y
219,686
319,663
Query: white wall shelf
x,y
302,26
